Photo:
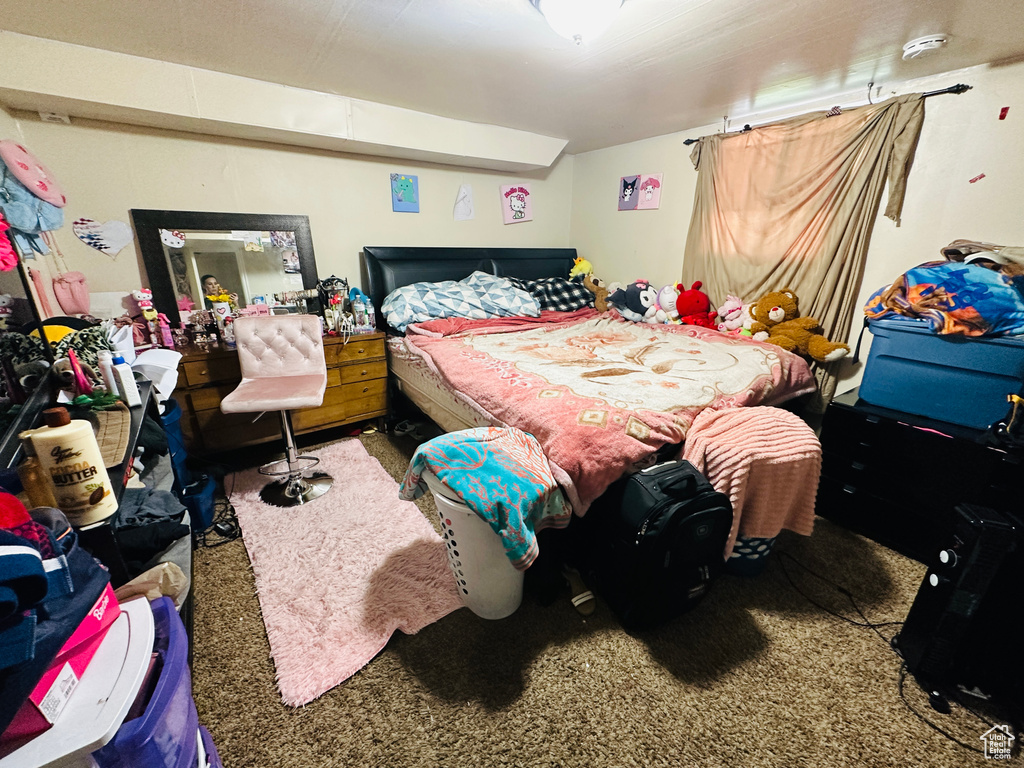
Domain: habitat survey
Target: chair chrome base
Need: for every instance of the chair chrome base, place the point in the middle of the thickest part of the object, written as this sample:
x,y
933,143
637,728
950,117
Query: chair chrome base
x,y
294,491
295,487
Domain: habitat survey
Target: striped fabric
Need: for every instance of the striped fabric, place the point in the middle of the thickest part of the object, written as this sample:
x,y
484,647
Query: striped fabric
x,y
766,460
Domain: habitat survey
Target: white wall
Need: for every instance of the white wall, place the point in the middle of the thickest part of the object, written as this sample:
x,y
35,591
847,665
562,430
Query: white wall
x,y
107,168
962,137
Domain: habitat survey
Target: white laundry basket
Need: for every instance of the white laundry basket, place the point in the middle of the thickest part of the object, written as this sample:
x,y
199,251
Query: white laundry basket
x,y
487,582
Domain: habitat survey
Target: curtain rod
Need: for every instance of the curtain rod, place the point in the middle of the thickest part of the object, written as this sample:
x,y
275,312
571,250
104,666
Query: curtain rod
x,y
957,89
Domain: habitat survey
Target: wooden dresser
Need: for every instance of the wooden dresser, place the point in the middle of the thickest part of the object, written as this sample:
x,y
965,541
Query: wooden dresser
x,y
357,375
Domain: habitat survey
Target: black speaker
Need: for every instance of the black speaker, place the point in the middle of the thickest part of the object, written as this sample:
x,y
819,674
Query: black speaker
x,y
936,638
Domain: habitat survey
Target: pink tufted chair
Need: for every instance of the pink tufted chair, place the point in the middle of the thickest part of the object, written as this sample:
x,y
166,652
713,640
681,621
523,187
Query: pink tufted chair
x,y
283,368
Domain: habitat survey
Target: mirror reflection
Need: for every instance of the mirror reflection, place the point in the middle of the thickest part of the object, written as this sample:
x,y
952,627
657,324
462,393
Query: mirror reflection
x,y
255,267
251,258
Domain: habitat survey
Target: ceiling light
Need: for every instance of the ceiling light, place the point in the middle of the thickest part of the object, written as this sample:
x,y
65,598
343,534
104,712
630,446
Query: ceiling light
x,y
578,20
915,48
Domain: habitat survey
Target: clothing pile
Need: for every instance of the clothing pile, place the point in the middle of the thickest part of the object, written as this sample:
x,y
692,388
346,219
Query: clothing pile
x,y
977,291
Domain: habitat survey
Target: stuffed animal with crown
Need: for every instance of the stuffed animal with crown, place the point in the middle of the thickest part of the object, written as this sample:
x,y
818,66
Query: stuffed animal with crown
x,y
580,266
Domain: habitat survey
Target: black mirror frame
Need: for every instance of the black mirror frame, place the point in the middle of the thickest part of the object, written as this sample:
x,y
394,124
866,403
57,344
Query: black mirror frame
x,y
148,224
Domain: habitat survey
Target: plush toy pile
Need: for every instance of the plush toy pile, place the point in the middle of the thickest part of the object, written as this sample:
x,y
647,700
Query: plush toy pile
x,y
773,318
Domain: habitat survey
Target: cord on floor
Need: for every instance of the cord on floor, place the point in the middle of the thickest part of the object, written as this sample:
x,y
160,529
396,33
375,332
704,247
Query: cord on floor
x,y
875,627
224,527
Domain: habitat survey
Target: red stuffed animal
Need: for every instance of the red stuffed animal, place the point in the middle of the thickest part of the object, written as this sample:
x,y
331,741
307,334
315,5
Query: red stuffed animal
x,y
694,306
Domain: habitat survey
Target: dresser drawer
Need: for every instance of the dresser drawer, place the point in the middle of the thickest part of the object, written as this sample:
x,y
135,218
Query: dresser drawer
x,y
356,349
344,403
208,398
366,398
859,435
373,369
916,533
227,431
212,370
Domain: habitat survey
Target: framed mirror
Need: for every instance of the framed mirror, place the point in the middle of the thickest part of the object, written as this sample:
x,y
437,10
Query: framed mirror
x,y
250,255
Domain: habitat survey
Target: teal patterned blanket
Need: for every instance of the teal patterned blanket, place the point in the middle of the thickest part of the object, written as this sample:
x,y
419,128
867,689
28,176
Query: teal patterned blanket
x,y
502,475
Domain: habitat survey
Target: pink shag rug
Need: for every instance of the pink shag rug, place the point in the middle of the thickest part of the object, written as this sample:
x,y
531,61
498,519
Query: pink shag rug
x,y
337,576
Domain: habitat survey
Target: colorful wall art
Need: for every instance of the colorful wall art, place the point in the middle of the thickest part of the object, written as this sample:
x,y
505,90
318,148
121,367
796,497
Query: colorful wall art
x,y
650,191
628,192
515,203
405,193
641,191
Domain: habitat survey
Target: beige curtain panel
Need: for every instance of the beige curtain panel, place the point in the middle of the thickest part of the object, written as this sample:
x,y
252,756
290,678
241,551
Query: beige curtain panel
x,y
792,205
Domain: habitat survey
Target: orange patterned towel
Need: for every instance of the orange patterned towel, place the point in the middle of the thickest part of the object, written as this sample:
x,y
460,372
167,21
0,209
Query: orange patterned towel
x,y
766,460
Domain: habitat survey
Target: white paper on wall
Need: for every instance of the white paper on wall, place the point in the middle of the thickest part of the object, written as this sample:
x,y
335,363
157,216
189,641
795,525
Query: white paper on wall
x,y
464,203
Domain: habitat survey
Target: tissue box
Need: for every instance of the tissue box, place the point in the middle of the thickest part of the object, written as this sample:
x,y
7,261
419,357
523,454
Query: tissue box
x,y
54,689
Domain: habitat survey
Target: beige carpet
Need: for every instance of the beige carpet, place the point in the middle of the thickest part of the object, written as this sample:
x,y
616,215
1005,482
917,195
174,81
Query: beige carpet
x,y
755,676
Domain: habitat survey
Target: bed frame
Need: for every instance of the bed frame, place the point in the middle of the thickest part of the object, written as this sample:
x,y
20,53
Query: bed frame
x,y
388,268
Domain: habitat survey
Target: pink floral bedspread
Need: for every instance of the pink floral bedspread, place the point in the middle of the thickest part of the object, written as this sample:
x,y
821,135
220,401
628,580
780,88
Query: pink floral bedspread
x,y
600,393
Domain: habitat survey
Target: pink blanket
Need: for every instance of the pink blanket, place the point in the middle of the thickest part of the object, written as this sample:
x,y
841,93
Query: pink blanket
x,y
766,460
599,393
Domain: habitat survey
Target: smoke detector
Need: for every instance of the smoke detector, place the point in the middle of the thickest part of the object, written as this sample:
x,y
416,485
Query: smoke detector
x,y
922,45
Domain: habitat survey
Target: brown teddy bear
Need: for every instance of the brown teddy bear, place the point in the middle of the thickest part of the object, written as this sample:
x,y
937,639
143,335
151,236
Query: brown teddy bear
x,y
597,287
777,321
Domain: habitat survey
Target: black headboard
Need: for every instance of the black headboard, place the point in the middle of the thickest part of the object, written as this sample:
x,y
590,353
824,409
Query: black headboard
x,y
388,268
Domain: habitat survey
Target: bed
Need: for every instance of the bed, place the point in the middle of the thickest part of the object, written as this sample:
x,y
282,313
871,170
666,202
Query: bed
x,y
602,395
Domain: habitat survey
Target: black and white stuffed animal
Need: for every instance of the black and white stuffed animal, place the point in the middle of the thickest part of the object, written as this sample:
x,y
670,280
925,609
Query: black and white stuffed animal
x,y
636,302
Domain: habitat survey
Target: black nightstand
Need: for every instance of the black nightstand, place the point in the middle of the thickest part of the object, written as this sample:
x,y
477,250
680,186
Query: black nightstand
x,y
896,478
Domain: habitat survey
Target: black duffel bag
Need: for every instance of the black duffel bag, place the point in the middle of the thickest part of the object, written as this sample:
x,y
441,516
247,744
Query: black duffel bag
x,y
654,542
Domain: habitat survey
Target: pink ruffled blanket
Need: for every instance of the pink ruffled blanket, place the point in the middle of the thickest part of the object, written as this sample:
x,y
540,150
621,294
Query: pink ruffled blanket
x,y
766,460
601,394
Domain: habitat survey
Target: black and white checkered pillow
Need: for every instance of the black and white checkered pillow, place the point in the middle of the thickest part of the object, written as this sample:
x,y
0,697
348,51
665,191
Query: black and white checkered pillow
x,y
556,293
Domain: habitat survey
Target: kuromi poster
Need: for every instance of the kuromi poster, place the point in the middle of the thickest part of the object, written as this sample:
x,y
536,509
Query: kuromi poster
x,y
628,193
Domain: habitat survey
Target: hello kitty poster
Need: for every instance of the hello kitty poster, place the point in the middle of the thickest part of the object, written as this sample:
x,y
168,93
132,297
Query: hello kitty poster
x,y
515,203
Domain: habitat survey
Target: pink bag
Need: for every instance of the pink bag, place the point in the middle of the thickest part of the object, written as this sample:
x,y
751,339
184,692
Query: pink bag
x,y
72,293
70,288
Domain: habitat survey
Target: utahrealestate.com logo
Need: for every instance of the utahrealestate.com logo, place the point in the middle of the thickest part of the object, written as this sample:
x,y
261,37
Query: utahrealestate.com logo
x,y
998,742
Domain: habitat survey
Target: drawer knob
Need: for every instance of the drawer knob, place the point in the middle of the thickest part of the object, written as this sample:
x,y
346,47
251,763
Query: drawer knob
x,y
857,466
849,489
203,372
361,351
363,373
366,389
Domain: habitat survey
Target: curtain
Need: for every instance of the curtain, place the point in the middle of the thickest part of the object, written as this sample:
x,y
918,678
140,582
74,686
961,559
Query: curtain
x,y
792,205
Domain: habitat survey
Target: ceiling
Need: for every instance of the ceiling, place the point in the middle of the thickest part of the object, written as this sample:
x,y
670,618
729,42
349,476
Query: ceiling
x,y
665,65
